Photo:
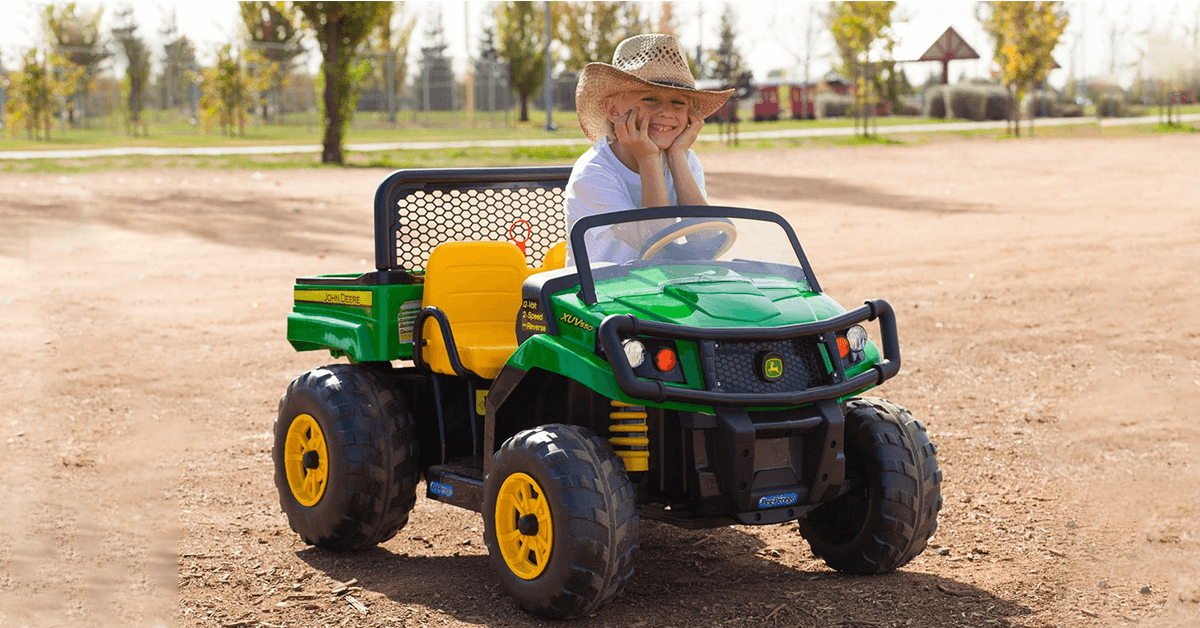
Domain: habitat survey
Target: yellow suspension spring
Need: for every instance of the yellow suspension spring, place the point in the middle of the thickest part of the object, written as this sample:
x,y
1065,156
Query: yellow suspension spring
x,y
630,440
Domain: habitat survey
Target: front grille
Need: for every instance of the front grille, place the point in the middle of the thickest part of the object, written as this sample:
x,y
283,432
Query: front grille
x,y
736,366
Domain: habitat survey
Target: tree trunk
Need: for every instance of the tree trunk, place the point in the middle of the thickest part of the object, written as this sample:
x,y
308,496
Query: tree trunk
x,y
1032,115
1016,109
331,153
524,107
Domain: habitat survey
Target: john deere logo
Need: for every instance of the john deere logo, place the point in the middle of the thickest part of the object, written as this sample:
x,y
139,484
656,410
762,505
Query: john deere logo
x,y
772,367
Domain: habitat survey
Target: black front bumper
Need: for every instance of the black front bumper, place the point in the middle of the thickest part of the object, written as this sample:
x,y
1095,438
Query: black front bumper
x,y
617,327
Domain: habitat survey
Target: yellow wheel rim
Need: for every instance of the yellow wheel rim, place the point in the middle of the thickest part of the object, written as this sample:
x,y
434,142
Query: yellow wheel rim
x,y
524,529
306,460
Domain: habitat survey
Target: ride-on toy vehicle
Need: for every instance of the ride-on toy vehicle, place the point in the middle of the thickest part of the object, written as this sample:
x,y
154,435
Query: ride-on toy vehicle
x,y
708,383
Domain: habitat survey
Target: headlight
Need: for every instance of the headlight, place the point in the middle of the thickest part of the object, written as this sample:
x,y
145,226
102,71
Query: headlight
x,y
857,337
635,352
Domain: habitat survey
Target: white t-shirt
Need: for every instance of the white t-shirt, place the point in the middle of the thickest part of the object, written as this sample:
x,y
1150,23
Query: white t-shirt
x,y
600,183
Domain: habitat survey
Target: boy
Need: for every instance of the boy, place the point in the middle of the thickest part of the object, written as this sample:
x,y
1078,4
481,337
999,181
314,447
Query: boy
x,y
644,113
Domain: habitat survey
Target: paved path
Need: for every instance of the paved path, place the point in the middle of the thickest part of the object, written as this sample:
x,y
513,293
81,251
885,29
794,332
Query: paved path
x,y
283,149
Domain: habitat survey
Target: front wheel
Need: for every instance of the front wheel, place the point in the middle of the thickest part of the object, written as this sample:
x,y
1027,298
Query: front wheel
x,y
887,520
559,521
345,456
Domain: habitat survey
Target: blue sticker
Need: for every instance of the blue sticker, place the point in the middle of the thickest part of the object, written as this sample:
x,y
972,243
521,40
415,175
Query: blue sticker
x,y
775,501
445,490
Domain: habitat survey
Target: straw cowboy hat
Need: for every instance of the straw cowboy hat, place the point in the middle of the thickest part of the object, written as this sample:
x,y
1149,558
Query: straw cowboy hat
x,y
639,62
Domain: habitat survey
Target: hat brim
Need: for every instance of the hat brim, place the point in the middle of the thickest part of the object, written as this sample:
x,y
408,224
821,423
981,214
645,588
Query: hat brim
x,y
601,80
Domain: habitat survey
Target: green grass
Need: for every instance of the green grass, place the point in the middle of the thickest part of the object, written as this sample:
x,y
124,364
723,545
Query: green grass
x,y
440,158
1192,108
1175,128
374,130
171,129
1146,110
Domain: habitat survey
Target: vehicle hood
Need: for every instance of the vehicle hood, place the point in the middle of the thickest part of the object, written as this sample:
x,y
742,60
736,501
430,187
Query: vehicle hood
x,y
726,303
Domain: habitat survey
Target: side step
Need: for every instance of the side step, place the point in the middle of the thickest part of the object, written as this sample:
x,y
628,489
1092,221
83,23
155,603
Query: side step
x,y
458,483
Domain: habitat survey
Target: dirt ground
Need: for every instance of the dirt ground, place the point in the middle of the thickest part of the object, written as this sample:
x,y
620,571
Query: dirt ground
x,y
1047,300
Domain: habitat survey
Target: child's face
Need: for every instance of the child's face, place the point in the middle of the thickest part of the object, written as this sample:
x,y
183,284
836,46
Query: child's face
x,y
667,111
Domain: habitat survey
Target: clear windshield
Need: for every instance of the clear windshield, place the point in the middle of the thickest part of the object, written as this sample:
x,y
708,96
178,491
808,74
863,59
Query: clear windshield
x,y
654,253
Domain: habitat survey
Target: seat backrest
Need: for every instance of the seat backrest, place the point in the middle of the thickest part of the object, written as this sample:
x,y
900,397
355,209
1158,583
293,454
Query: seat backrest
x,y
478,286
555,258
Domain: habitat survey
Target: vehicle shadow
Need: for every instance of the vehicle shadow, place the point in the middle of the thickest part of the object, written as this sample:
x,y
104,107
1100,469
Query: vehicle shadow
x,y
299,224
683,578
286,223
759,187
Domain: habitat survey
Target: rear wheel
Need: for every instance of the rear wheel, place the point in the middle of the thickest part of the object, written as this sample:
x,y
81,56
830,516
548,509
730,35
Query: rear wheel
x,y
887,520
345,457
559,521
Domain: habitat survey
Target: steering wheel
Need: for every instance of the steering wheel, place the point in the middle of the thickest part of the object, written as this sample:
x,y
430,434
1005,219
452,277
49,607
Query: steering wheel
x,y
704,238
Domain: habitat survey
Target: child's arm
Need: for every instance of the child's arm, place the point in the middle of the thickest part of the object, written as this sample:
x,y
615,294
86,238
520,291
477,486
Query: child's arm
x,y
687,189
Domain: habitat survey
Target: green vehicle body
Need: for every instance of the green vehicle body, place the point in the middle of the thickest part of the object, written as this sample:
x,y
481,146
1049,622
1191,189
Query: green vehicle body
x,y
722,442
325,319
373,323
361,323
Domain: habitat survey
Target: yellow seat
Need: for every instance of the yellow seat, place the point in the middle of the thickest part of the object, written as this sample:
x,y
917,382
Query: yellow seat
x,y
478,287
555,258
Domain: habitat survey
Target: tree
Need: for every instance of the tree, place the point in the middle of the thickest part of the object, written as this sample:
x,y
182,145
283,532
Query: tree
x,y
340,27
668,23
29,97
275,39
137,65
522,42
262,76
435,84
589,31
1025,34
35,89
179,66
491,75
862,32
391,37
631,22
726,61
226,93
487,45
74,35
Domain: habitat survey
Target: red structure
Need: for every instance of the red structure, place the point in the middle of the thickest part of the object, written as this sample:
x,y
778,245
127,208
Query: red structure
x,y
727,112
766,106
949,47
803,109
769,102
839,87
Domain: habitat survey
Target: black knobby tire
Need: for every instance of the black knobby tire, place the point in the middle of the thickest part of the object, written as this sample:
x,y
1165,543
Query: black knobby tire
x,y
594,520
370,444
887,520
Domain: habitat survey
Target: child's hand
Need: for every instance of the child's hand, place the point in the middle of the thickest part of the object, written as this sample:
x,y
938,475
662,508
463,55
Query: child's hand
x,y
633,134
683,142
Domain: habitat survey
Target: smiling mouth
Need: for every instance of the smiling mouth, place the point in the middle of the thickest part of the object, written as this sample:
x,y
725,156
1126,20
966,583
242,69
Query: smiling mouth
x,y
662,128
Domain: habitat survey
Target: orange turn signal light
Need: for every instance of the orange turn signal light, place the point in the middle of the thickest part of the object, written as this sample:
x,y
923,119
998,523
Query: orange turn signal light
x,y
664,359
843,346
